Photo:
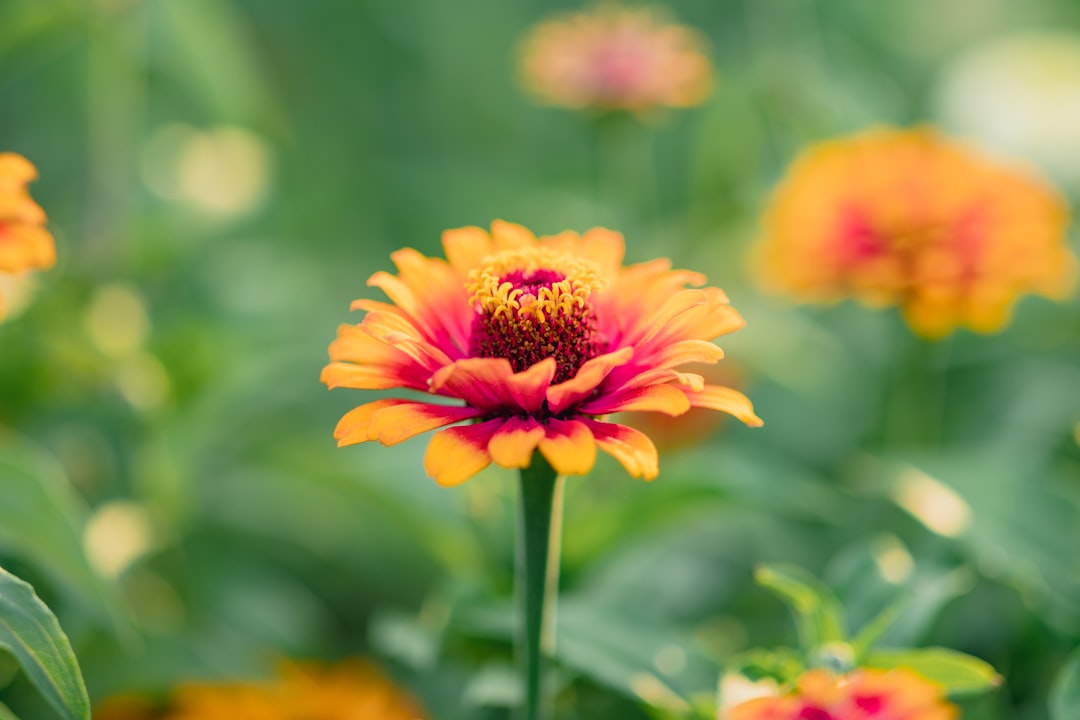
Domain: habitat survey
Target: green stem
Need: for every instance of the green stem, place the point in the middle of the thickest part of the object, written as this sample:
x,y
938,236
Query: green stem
x,y
538,568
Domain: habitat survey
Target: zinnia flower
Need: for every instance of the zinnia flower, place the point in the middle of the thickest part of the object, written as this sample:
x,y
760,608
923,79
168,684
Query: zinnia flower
x,y
616,58
351,691
25,244
861,695
907,218
538,339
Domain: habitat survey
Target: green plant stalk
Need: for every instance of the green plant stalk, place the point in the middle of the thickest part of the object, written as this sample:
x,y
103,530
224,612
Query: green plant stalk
x,y
538,575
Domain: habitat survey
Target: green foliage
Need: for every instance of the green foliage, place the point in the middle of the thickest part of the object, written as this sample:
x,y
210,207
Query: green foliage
x,y
30,632
1065,696
817,611
377,125
958,673
41,519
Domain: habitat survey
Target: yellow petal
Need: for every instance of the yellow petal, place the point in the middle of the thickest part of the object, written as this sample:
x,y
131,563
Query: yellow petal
x,y
515,442
568,446
456,454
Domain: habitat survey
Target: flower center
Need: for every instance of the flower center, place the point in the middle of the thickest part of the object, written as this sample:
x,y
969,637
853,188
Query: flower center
x,y
533,304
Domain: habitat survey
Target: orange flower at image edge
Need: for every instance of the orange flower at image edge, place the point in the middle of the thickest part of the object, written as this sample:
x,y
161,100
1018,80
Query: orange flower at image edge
x,y
539,338
907,218
861,695
25,244
616,58
350,691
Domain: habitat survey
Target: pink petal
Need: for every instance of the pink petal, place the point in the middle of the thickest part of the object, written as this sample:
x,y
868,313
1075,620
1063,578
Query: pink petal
x,y
589,376
655,398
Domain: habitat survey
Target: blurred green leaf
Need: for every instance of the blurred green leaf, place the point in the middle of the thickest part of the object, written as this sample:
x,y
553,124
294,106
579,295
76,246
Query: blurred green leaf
x,y
640,660
209,51
958,673
817,611
30,631
1065,695
41,520
780,664
6,714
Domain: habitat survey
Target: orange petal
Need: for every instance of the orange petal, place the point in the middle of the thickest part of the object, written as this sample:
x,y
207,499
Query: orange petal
x,y
466,248
25,247
724,399
686,351
592,373
15,172
568,446
394,423
370,377
604,247
443,300
632,448
507,235
654,398
354,426
456,454
515,442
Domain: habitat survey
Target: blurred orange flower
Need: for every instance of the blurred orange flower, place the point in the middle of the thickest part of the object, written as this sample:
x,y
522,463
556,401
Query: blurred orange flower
x,y
908,218
861,695
25,244
613,57
538,338
350,691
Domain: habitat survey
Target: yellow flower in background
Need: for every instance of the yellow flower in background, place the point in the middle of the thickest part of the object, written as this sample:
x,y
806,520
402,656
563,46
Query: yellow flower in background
x,y
534,341
612,57
908,218
25,244
860,695
350,691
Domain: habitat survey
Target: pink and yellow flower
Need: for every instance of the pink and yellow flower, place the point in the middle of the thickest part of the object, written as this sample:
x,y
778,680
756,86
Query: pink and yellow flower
x,y
532,341
25,244
301,691
908,218
861,695
613,57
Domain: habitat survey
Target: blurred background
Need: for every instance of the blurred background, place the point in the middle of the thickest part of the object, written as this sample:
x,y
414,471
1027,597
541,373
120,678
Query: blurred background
x,y
223,175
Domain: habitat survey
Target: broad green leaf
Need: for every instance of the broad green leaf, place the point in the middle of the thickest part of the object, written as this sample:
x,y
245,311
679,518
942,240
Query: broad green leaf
x,y
41,520
1065,695
6,714
958,673
817,611
644,661
30,631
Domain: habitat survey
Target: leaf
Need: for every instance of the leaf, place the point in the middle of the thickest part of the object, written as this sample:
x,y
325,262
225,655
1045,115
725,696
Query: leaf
x,y
30,631
817,611
640,659
1065,694
41,520
6,714
958,673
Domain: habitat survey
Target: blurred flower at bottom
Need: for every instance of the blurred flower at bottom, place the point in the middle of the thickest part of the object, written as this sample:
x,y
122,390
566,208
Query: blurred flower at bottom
x,y
860,695
25,244
353,690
